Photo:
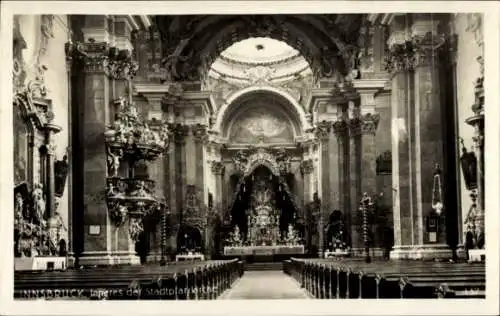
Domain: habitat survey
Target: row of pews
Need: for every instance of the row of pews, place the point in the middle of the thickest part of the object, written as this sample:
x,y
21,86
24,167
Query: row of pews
x,y
202,280
327,279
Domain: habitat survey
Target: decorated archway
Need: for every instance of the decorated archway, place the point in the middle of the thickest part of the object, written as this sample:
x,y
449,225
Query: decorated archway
x,y
327,42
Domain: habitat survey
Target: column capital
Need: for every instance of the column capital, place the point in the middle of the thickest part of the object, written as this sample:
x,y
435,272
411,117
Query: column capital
x,y
355,128
94,55
306,166
340,128
100,57
416,50
199,132
120,64
369,123
217,167
180,132
322,130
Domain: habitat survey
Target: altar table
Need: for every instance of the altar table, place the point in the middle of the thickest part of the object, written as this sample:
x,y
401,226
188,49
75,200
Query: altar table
x,y
263,250
190,257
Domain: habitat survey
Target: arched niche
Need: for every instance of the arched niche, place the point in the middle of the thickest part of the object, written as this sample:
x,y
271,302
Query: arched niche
x,y
269,108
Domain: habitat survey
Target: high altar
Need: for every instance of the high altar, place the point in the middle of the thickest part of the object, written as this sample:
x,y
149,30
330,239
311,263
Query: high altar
x,y
264,219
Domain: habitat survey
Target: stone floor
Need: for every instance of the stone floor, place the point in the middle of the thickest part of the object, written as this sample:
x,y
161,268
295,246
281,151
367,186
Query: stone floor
x,y
265,285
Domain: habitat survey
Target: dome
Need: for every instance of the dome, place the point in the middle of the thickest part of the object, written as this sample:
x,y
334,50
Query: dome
x,y
259,50
259,59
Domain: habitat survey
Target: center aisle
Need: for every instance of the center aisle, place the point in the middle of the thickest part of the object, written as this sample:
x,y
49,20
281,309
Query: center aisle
x,y
265,285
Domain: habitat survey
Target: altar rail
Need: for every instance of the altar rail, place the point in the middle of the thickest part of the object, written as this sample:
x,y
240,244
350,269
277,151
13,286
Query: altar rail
x,y
327,279
176,281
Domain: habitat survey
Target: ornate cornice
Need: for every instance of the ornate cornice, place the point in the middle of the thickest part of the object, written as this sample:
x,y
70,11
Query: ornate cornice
x,y
369,123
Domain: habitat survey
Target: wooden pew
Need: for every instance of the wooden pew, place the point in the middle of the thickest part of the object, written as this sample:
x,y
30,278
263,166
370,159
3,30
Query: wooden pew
x,y
356,279
179,281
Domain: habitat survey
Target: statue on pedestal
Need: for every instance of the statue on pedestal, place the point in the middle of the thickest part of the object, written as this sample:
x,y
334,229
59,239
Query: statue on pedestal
x,y
39,205
291,236
235,237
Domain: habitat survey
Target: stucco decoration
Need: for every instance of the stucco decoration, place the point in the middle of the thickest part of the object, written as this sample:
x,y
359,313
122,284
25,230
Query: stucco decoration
x,y
259,74
260,126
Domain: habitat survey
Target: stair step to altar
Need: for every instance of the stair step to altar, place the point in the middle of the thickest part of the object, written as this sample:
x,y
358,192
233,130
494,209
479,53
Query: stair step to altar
x,y
264,266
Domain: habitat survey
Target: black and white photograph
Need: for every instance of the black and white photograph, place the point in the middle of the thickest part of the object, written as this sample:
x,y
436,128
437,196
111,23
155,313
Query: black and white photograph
x,y
235,153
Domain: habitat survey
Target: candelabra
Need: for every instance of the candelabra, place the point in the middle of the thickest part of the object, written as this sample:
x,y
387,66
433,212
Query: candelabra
x,y
366,205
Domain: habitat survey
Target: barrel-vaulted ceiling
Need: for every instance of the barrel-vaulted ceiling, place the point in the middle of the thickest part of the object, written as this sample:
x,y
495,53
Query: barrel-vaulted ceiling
x,y
192,43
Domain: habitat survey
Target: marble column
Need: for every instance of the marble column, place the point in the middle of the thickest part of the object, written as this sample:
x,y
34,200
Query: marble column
x,y
306,169
429,135
95,116
333,169
180,133
172,193
369,123
323,131
354,182
341,132
398,65
417,136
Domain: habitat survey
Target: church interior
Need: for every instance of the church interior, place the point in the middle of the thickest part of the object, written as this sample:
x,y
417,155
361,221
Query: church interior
x,y
154,139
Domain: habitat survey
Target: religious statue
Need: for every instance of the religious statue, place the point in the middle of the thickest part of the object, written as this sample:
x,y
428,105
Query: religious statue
x,y
61,172
235,237
135,228
39,204
113,163
140,189
291,236
19,210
